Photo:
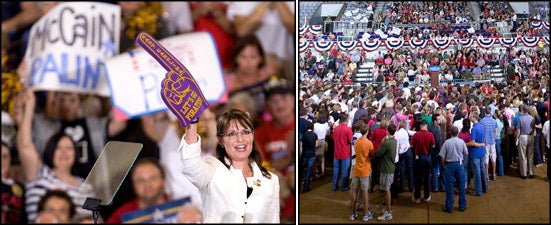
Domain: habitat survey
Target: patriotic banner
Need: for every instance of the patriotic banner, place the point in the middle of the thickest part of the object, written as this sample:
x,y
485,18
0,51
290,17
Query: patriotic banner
x,y
530,41
67,48
302,30
536,24
316,29
486,42
394,44
322,46
545,25
546,39
417,43
302,46
441,43
465,42
163,213
370,45
347,45
508,42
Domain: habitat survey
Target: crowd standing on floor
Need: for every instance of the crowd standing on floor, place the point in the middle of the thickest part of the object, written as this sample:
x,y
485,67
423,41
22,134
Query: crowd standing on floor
x,y
500,124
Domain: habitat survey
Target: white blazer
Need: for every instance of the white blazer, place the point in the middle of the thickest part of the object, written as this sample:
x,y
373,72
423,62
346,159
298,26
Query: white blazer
x,y
224,191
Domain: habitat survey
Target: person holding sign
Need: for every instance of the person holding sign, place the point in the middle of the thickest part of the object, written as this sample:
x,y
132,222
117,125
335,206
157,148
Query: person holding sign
x,y
54,170
234,186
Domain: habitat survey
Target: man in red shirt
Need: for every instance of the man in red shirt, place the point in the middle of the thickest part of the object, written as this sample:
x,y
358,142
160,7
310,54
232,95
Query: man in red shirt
x,y
342,137
422,141
275,140
148,181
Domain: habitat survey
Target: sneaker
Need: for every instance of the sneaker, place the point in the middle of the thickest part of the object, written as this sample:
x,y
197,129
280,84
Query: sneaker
x,y
494,177
415,200
353,216
539,165
386,216
427,199
367,217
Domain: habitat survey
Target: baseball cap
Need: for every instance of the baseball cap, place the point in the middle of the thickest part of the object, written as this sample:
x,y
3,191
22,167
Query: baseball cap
x,y
277,85
450,106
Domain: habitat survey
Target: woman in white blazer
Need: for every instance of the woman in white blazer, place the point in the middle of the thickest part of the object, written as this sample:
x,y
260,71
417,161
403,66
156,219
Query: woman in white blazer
x,y
234,186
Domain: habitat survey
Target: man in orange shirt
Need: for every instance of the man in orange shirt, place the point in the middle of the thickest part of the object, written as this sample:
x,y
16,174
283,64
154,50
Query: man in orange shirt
x,y
362,173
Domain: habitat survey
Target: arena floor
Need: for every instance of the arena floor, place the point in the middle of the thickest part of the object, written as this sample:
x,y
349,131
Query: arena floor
x,y
510,200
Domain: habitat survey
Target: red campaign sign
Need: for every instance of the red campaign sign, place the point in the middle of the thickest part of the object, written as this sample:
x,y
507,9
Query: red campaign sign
x,y
179,90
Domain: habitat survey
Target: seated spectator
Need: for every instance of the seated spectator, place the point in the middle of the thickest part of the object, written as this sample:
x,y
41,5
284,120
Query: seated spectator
x,y
477,72
59,203
13,191
148,181
54,170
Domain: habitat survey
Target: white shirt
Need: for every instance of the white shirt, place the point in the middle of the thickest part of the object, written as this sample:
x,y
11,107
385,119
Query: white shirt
x,y
545,131
402,139
320,129
224,191
351,115
407,92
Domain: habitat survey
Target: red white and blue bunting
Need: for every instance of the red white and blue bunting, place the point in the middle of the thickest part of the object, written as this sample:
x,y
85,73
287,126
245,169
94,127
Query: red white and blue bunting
x,y
394,44
465,42
322,46
545,25
486,42
441,43
508,42
347,45
536,24
302,30
416,43
302,46
530,41
370,45
316,29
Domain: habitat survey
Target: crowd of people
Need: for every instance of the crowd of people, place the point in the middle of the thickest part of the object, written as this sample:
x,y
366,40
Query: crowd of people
x,y
51,139
495,125
403,133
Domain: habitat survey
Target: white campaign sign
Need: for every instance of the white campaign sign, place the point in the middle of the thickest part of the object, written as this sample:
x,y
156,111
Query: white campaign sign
x,y
67,47
135,76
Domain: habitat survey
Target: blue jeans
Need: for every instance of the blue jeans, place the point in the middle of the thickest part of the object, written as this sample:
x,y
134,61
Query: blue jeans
x,y
309,163
437,173
342,167
500,169
406,169
466,164
479,175
537,153
422,174
455,171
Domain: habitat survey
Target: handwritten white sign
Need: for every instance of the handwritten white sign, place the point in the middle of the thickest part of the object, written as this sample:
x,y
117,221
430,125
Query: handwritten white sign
x,y
135,77
67,47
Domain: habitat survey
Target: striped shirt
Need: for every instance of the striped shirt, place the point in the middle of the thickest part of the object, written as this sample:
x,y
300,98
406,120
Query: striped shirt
x,y
47,180
490,126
